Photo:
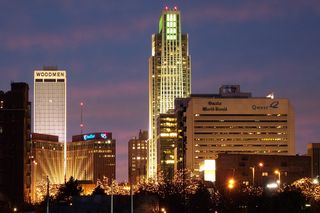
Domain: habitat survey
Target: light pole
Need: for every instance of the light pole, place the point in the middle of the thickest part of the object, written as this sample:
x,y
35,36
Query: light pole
x,y
260,181
111,210
48,194
131,193
253,172
277,172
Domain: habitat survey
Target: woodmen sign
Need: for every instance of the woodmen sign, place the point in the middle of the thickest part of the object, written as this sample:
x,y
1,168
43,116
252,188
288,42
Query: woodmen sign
x,y
49,74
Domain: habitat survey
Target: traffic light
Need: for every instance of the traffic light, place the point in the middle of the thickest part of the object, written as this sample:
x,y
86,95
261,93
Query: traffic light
x,y
231,183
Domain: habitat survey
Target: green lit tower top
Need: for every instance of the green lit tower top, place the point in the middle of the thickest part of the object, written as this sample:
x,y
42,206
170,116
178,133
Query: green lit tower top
x,y
169,75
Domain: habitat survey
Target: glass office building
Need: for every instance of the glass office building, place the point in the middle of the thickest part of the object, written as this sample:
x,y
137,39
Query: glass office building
x,y
50,103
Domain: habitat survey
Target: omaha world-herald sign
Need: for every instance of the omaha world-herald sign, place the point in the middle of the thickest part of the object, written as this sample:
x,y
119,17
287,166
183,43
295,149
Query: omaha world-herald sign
x,y
50,74
243,106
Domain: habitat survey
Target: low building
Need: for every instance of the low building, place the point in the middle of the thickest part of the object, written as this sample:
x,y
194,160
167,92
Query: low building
x,y
92,157
314,153
46,157
166,140
260,170
137,157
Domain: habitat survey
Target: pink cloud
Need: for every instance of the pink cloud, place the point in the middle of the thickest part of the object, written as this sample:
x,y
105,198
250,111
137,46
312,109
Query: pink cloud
x,y
250,10
76,36
110,89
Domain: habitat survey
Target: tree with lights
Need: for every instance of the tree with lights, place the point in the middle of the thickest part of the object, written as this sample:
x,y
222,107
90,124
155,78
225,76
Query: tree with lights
x,y
68,190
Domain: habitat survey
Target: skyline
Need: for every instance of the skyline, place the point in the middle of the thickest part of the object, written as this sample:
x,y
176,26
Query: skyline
x,y
262,46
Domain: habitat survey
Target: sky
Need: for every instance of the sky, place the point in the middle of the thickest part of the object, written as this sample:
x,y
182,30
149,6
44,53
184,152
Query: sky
x,y
264,46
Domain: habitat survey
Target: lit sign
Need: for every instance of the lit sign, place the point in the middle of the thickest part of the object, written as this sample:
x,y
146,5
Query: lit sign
x,y
104,135
89,137
273,105
50,74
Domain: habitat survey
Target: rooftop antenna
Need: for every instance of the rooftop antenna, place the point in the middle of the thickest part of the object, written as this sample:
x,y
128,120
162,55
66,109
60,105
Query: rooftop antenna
x,y
271,95
81,117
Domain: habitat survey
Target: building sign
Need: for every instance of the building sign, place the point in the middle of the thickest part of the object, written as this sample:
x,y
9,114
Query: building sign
x,y
50,74
273,105
89,137
92,136
241,106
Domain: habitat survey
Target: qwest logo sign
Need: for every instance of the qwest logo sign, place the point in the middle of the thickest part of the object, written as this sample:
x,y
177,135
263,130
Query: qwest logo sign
x,y
274,105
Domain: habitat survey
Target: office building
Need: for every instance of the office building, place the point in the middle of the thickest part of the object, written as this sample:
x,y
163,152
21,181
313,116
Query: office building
x,y
260,170
234,122
137,158
314,152
15,129
169,75
166,140
92,156
50,104
46,164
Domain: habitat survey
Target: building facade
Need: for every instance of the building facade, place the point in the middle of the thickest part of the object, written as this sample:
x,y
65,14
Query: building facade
x,y
169,75
46,164
92,156
234,122
137,158
50,104
314,152
166,140
15,129
260,170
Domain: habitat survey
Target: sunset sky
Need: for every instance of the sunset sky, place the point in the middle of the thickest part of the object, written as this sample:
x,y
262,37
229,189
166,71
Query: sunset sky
x,y
264,46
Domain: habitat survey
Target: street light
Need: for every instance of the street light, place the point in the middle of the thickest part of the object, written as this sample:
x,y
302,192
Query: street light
x,y
163,210
277,172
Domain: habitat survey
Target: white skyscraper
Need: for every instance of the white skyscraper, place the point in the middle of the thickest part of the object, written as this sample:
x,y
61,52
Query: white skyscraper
x,y
50,103
169,75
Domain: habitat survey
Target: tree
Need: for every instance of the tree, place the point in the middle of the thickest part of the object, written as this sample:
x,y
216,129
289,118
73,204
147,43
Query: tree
x,y
175,194
201,201
67,190
99,191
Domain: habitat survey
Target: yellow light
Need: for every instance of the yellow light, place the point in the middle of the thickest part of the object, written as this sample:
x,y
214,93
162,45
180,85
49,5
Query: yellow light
x,y
276,171
231,183
169,161
260,164
15,209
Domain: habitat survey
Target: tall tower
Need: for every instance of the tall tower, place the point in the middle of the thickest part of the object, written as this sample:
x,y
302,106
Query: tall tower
x,y
169,75
50,104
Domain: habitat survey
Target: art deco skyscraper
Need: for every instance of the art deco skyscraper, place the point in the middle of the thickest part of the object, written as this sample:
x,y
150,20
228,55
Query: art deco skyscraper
x,y
169,75
50,104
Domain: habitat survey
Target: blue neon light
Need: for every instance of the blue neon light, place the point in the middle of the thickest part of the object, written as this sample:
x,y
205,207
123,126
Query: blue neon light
x,y
89,137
